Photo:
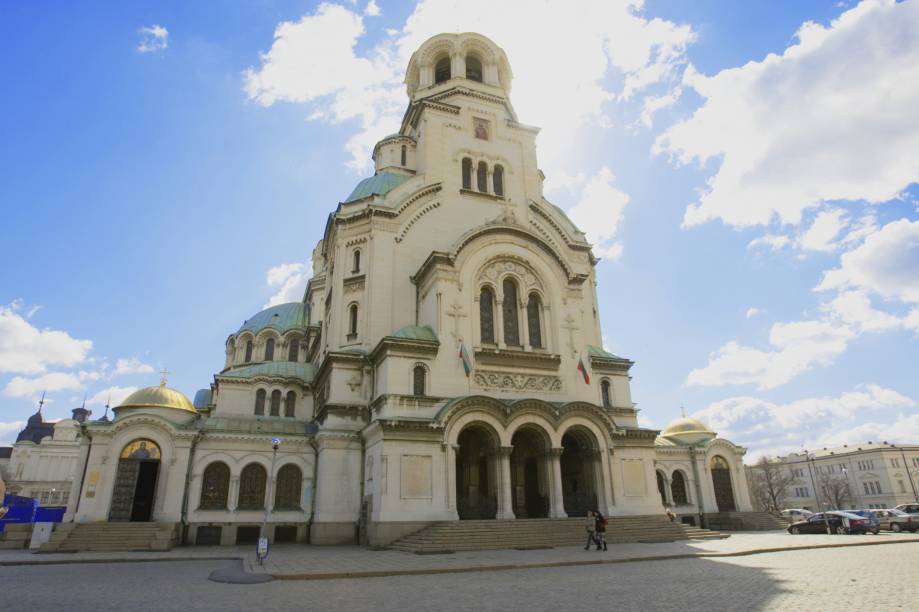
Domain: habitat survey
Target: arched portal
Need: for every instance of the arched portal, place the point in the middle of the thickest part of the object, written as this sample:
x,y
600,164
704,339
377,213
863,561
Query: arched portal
x,y
476,496
721,481
662,488
579,472
134,492
530,473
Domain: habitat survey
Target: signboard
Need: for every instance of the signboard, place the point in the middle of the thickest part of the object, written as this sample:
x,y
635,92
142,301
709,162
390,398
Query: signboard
x,y
262,551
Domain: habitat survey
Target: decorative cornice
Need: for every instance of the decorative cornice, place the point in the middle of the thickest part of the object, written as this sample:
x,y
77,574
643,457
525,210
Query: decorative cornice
x,y
517,358
411,346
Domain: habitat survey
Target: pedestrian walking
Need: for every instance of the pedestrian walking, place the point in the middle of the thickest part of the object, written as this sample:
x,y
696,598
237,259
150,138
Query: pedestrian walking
x,y
600,523
591,525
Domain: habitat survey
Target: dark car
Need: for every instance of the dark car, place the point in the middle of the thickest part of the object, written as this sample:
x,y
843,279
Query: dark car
x,y
874,523
841,523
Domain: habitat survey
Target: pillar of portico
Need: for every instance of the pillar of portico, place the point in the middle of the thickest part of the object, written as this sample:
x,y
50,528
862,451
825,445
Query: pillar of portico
x,y
556,498
504,493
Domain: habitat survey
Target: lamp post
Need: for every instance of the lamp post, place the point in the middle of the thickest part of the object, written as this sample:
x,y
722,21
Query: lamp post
x,y
261,551
810,458
908,473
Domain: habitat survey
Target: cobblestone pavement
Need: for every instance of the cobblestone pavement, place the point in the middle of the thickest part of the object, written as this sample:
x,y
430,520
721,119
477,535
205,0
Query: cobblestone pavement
x,y
853,578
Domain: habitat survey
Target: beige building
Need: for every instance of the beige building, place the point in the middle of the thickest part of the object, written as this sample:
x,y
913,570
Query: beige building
x,y
444,364
853,476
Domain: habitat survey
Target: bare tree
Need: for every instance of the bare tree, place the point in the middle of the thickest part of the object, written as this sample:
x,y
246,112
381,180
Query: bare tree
x,y
769,480
835,491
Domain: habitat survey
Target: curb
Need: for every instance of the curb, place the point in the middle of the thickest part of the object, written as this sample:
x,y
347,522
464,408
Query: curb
x,y
7,563
520,566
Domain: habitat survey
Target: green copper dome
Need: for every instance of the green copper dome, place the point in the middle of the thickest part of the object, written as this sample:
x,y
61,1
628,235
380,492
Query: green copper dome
x,y
380,184
281,318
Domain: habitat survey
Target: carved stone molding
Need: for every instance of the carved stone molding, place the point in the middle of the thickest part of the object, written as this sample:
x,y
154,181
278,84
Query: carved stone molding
x,y
517,382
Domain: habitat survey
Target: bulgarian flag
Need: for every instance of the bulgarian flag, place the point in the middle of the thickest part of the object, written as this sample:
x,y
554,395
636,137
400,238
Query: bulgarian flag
x,y
464,356
583,370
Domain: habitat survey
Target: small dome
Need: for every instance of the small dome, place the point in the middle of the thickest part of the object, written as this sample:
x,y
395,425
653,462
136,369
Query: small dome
x,y
158,397
281,318
687,430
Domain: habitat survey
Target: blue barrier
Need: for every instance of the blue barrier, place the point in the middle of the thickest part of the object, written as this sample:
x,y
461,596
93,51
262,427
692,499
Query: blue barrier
x,y
21,510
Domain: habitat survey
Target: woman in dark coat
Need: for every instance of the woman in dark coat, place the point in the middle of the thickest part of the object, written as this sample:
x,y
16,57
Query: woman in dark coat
x,y
600,529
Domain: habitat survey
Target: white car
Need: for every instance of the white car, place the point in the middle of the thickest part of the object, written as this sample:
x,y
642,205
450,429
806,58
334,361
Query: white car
x,y
796,514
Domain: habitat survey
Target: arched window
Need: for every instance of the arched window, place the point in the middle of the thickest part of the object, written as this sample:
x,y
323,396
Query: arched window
x,y
467,173
260,401
215,485
293,353
248,351
678,489
287,494
481,177
252,487
275,403
404,155
356,261
509,311
442,70
269,350
487,315
605,395
473,68
352,321
498,180
418,375
290,404
533,326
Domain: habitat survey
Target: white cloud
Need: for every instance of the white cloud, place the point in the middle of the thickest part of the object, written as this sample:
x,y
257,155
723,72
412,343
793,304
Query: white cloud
x,y
752,312
796,347
746,414
153,39
315,61
20,386
653,104
854,308
886,263
774,242
820,236
112,395
131,365
905,429
831,118
372,9
9,431
600,211
289,281
28,350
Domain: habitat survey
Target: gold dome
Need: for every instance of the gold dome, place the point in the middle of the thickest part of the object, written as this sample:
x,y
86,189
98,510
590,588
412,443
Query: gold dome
x,y
158,397
688,431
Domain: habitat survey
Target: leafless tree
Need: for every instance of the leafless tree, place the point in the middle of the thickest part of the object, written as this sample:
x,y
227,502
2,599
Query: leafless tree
x,y
769,480
835,491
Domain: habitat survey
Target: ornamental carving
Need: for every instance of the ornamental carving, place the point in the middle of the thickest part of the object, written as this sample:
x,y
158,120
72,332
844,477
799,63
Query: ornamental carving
x,y
517,382
506,265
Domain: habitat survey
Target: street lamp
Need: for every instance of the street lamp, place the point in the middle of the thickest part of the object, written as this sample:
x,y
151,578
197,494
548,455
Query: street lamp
x,y
908,473
810,458
261,551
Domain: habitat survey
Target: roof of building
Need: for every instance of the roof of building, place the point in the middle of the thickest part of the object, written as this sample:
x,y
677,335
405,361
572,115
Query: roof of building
x,y
281,318
596,351
380,184
858,447
257,425
416,332
36,428
158,397
202,398
280,369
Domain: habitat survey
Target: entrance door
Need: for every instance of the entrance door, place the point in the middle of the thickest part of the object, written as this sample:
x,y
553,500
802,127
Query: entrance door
x,y
527,475
134,490
721,480
142,508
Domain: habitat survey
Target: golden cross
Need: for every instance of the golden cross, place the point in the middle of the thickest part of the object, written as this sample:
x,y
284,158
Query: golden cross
x,y
163,376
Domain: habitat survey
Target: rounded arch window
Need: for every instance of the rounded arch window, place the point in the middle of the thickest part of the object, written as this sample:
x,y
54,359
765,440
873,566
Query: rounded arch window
x,y
352,321
442,70
269,350
487,316
252,487
248,351
509,313
467,173
215,486
605,395
719,463
290,404
534,326
404,156
275,403
293,352
678,488
260,401
287,495
498,180
481,177
356,261
473,68
419,374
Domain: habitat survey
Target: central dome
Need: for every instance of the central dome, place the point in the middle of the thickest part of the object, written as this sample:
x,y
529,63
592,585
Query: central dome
x,y
158,397
688,430
281,318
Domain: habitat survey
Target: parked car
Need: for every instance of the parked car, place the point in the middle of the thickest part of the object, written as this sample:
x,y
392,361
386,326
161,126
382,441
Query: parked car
x,y
796,514
874,523
908,508
897,520
841,523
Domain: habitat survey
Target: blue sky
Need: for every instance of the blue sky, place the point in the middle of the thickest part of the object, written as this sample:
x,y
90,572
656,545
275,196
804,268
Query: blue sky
x,y
747,171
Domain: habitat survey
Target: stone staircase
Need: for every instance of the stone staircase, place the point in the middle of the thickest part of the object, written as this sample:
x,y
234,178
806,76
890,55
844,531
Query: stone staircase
x,y
111,537
745,521
542,533
15,536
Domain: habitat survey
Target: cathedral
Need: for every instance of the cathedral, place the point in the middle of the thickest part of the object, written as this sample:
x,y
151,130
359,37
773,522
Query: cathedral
x,y
445,363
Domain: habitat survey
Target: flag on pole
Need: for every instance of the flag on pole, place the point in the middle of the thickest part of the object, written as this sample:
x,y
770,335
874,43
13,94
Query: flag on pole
x,y
583,370
464,355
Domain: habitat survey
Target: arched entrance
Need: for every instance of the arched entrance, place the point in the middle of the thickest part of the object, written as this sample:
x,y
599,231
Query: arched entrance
x,y
662,488
475,474
529,474
134,492
721,481
578,473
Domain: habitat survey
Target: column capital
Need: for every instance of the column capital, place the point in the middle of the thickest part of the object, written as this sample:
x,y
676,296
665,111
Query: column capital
x,y
555,452
505,451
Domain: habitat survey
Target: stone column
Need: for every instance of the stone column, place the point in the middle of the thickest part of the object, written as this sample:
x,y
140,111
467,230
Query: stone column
x,y
599,482
524,321
556,497
503,484
233,494
499,320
